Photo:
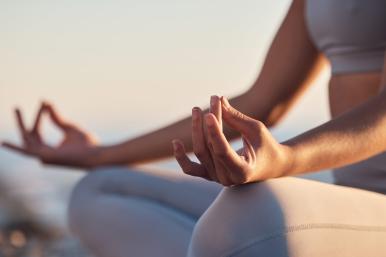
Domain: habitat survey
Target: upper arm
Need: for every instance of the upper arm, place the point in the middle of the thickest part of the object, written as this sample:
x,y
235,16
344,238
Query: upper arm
x,y
291,63
383,81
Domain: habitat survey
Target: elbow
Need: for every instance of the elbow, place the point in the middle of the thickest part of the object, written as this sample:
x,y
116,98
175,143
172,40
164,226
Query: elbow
x,y
271,122
270,112
274,115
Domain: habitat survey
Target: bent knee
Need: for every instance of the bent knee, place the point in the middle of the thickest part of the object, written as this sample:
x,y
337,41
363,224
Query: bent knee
x,y
238,215
83,198
249,215
258,215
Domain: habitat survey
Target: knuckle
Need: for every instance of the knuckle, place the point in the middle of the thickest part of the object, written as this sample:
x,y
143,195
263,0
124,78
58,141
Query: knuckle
x,y
256,125
238,114
259,124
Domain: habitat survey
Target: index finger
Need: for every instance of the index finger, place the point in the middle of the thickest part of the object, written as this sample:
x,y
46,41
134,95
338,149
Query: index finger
x,y
215,108
20,123
189,167
221,148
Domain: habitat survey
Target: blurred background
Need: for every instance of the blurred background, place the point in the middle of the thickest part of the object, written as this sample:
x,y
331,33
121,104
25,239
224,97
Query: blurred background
x,y
120,68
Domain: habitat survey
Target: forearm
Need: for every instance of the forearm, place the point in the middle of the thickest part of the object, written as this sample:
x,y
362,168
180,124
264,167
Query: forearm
x,y
278,85
157,144
352,137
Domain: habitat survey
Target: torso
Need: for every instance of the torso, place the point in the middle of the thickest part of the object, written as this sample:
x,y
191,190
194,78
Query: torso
x,y
349,90
352,35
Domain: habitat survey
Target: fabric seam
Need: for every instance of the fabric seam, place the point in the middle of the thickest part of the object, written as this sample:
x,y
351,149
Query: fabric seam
x,y
311,226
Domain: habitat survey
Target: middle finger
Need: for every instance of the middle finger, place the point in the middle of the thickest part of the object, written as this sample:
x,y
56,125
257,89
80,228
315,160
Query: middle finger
x,y
200,147
215,109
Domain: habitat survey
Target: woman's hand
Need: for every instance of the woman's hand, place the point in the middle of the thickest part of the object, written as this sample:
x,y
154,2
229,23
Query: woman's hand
x,y
77,149
260,158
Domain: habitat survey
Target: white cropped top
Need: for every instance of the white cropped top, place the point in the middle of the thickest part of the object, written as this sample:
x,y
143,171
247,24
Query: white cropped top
x,y
351,33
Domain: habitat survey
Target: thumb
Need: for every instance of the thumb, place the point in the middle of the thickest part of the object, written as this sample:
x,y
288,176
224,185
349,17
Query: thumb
x,y
239,121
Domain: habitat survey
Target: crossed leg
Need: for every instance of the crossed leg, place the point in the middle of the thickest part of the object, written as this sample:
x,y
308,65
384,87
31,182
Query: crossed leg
x,y
292,217
120,212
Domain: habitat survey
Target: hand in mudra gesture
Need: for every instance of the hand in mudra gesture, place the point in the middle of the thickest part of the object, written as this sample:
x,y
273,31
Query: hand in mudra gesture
x,y
261,156
73,150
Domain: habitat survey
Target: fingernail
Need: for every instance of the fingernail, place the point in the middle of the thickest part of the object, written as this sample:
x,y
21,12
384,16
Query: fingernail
x,y
225,101
213,98
195,119
195,111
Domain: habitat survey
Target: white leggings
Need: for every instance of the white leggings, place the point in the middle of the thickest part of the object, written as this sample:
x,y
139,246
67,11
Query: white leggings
x,y
118,212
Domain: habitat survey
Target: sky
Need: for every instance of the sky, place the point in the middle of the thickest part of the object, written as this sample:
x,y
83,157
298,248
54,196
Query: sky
x,y
131,65
123,67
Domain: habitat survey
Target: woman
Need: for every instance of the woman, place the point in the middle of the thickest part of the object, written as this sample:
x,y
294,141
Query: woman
x,y
120,212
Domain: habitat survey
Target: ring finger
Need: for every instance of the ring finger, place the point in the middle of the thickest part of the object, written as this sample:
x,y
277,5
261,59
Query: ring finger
x,y
200,148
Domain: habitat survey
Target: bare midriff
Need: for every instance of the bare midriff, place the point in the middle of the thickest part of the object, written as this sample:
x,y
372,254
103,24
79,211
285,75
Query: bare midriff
x,y
346,91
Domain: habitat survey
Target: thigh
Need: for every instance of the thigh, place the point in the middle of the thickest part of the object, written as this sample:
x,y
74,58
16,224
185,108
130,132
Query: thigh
x,y
129,226
189,195
132,212
292,217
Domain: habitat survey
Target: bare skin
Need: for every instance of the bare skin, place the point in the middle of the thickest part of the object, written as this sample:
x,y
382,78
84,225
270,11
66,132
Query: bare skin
x,y
353,136
347,91
274,92
268,99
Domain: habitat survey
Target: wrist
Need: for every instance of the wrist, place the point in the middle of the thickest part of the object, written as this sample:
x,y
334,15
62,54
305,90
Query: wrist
x,y
120,154
280,164
288,160
98,156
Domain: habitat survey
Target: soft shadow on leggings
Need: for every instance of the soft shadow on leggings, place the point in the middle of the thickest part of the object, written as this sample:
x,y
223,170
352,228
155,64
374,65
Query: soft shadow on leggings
x,y
243,221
